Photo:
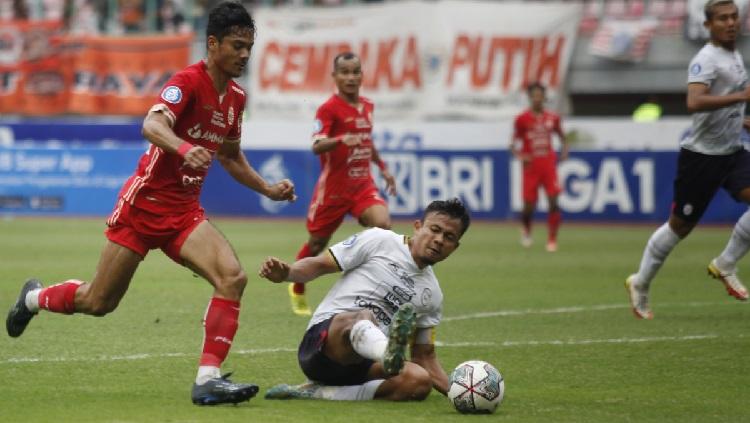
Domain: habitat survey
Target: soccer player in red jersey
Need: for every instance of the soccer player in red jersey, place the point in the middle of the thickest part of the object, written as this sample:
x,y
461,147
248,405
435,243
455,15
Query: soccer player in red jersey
x,y
197,118
343,140
532,145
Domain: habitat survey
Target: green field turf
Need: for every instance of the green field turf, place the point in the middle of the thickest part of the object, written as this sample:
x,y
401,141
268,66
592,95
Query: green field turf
x,y
556,325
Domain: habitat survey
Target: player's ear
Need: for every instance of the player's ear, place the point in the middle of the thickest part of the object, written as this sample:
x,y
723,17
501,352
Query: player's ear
x,y
417,225
212,42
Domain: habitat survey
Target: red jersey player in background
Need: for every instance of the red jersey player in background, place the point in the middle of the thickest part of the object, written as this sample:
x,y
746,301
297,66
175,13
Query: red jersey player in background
x,y
343,140
532,145
196,119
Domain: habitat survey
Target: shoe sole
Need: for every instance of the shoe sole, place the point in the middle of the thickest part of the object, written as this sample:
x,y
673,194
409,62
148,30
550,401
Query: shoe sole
x,y
233,398
647,316
404,322
716,274
14,331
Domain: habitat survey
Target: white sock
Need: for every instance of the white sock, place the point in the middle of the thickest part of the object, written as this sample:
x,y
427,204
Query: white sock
x,y
32,300
206,373
661,243
738,245
368,340
364,392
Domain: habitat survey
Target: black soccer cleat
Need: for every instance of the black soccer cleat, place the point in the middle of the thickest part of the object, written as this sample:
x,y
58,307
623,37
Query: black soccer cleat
x,y
222,391
19,315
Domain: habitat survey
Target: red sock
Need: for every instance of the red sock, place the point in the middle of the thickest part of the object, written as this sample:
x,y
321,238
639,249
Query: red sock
x,y
299,288
553,221
220,323
60,298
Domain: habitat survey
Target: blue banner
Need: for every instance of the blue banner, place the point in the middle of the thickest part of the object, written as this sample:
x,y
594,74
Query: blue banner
x,y
598,186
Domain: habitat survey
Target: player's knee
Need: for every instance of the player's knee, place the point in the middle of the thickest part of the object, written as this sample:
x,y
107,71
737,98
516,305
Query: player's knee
x,y
234,282
417,383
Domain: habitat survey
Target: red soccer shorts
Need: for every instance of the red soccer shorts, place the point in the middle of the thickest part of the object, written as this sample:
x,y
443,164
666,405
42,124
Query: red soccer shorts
x,y
540,173
142,231
323,219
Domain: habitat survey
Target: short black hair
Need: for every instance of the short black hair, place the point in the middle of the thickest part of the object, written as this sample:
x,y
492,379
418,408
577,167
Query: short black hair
x,y
535,86
708,9
226,18
453,208
347,55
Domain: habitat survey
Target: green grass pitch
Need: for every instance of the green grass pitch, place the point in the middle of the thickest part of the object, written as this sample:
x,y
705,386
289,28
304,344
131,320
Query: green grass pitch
x,y
557,325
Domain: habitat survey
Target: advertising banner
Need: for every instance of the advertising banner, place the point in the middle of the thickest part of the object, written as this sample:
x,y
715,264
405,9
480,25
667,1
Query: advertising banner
x,y
44,73
420,59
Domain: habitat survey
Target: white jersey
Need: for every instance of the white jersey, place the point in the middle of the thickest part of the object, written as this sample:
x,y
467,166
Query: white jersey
x,y
380,275
717,132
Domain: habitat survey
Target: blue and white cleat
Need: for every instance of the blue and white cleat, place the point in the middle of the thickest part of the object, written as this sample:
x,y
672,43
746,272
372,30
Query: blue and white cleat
x,y
221,390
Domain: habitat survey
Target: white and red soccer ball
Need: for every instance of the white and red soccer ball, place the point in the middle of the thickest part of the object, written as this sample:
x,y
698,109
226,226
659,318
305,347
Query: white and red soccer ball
x,y
476,386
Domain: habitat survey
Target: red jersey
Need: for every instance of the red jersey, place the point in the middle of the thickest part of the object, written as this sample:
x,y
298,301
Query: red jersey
x,y
162,183
344,170
535,133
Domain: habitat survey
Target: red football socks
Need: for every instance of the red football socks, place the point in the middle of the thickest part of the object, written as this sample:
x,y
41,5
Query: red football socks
x,y
60,298
553,221
220,323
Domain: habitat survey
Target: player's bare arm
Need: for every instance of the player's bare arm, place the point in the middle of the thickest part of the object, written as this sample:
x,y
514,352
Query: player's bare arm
x,y
390,181
323,145
699,99
564,145
234,161
424,355
301,271
157,129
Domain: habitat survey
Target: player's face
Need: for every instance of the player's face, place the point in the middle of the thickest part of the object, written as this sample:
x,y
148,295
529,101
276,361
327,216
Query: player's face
x,y
348,76
724,24
537,99
435,238
233,52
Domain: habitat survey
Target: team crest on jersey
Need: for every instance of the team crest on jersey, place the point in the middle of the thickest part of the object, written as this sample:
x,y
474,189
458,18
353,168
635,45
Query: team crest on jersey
x,y
426,297
695,69
230,115
317,126
171,94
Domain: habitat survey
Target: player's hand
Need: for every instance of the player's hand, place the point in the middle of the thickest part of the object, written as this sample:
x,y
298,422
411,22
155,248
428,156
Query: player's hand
x,y
198,157
350,140
282,191
390,182
274,270
564,154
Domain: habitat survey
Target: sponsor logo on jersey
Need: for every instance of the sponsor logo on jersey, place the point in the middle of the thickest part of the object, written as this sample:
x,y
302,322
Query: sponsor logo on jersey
x,y
361,123
197,133
350,241
171,94
230,115
217,118
695,69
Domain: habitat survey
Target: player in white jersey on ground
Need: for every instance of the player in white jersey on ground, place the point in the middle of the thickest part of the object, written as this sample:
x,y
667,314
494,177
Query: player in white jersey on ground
x,y
711,157
356,342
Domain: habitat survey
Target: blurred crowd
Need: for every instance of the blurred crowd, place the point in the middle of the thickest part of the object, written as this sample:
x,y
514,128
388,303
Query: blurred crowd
x,y
133,16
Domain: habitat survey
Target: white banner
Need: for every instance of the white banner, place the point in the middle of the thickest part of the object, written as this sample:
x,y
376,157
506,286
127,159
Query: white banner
x,y
584,134
420,59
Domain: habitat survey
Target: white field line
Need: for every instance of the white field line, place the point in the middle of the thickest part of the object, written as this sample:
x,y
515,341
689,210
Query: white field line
x,y
502,313
563,310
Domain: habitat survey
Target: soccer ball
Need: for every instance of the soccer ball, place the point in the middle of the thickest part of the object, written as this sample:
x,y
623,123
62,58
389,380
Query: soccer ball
x,y
476,387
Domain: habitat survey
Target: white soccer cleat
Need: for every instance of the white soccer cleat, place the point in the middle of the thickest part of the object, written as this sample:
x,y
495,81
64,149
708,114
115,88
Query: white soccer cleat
x,y
638,298
730,280
526,240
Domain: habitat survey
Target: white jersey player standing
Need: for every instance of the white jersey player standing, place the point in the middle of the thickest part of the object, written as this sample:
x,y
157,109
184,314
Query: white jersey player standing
x,y
710,158
356,343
